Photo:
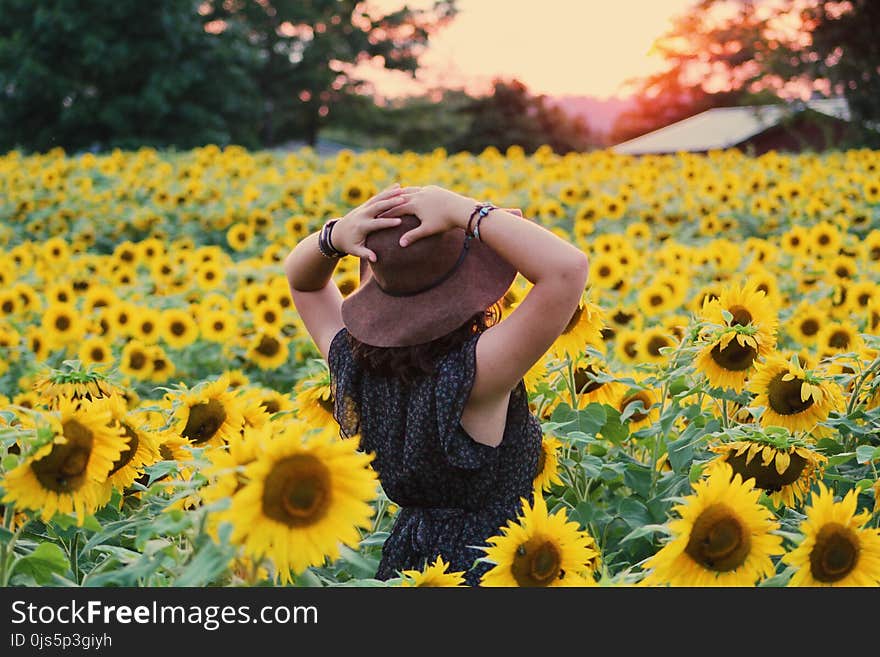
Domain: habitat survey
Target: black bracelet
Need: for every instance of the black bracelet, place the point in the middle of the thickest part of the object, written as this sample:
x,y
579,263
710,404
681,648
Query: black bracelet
x,y
486,209
330,225
324,246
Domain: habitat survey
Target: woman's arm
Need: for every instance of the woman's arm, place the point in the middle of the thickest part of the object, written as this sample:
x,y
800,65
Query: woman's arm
x,y
309,273
558,270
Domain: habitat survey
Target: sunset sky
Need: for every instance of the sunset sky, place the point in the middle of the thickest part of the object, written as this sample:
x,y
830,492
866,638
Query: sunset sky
x,y
557,47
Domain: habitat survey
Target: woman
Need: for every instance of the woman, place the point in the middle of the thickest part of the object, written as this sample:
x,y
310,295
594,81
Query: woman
x,y
421,370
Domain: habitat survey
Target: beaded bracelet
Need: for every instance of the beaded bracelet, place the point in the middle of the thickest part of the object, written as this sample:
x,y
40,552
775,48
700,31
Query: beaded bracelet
x,y
481,210
486,209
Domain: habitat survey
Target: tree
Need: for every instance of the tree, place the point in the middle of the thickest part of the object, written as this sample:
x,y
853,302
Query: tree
x,y
120,73
510,115
308,50
734,52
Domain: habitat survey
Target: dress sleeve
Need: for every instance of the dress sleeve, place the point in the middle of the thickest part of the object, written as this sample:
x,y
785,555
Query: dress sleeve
x,y
344,384
455,379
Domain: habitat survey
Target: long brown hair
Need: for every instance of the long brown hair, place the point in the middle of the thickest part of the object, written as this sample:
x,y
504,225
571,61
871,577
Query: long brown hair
x,y
409,363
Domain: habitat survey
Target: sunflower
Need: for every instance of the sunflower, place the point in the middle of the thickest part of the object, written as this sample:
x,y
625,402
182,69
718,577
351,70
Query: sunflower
x,y
793,397
62,324
721,538
75,383
239,236
591,385
209,414
95,350
217,325
268,350
627,346
141,448
540,549
805,324
68,473
746,306
268,316
435,575
605,270
784,471
648,397
163,366
178,328
313,400
584,328
656,299
653,339
305,495
548,464
146,325
135,360
838,549
838,338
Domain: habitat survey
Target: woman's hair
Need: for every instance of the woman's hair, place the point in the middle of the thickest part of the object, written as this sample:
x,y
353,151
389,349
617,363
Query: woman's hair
x,y
409,363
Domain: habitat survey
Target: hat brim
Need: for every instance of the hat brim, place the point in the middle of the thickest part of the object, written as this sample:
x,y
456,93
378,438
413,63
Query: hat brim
x,y
383,320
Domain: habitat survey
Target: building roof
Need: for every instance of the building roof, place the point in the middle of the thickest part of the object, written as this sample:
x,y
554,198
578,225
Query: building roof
x,y
723,127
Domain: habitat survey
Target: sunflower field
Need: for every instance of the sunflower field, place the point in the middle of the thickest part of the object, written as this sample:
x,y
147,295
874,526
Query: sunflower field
x,y
711,413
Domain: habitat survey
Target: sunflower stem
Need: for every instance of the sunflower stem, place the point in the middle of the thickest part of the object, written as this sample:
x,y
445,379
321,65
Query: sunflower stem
x,y
725,416
857,388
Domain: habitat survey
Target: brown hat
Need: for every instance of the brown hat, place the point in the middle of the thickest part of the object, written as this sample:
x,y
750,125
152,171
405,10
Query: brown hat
x,y
421,292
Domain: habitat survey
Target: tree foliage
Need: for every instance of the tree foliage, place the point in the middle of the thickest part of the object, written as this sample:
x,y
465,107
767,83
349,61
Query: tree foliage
x,y
734,52
307,51
510,115
120,73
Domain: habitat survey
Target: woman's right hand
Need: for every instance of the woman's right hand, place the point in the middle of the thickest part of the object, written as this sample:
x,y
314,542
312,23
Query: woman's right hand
x,y
437,208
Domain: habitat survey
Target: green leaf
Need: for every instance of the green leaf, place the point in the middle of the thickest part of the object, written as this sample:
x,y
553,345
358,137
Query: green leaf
x,y
681,452
613,429
361,566
638,477
837,459
42,563
634,512
587,420
209,562
867,453
646,530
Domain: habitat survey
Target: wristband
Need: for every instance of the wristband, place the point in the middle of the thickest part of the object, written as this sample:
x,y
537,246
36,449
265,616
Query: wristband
x,y
486,209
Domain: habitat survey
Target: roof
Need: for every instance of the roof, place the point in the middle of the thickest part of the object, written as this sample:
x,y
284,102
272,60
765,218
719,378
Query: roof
x,y
724,127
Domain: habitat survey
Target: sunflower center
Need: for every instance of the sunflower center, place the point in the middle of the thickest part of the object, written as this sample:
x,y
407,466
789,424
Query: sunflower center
x,y
130,450
630,348
346,287
766,476
62,323
839,340
655,343
297,491
536,562
574,319
268,346
326,403
582,381
734,357
718,540
784,397
638,416
809,327
205,418
63,470
137,360
835,554
271,406
178,328
741,316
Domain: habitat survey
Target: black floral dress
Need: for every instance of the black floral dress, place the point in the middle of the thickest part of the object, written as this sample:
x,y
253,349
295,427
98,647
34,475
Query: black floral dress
x,y
453,492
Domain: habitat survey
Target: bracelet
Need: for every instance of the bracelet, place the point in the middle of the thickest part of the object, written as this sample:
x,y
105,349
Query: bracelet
x,y
479,208
324,245
486,209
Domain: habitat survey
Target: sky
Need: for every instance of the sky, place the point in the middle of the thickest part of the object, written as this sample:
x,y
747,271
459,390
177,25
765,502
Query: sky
x,y
555,47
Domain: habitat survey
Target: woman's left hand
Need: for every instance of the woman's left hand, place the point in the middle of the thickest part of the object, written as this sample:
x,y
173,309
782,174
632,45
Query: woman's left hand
x,y
350,233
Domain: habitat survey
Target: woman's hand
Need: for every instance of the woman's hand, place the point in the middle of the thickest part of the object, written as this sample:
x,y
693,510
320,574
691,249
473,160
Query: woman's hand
x,y
437,208
350,233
